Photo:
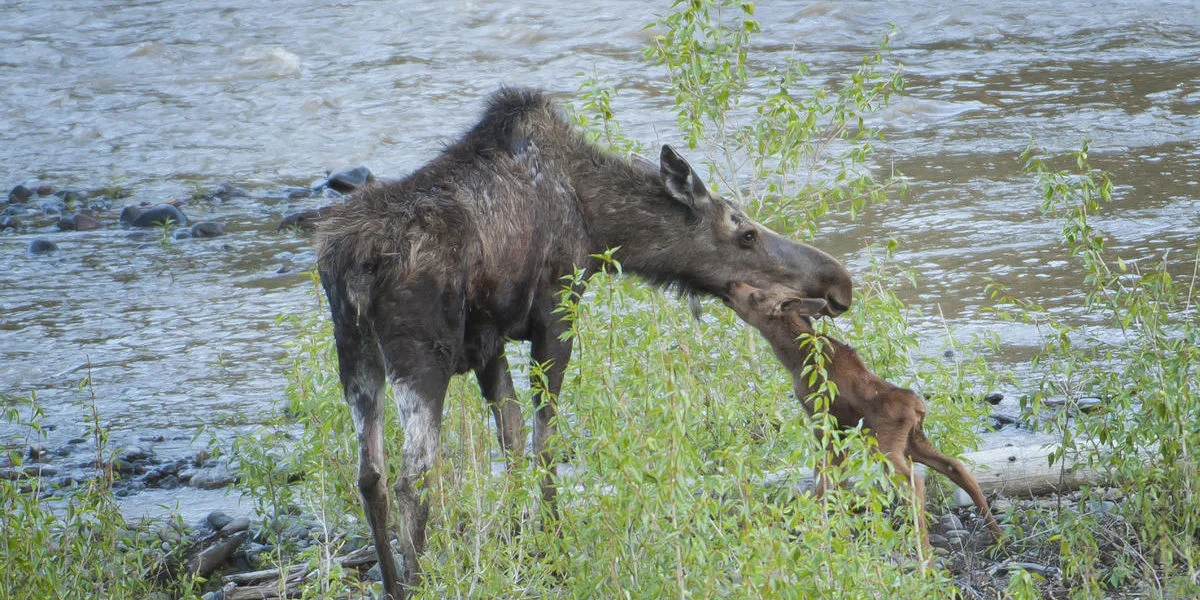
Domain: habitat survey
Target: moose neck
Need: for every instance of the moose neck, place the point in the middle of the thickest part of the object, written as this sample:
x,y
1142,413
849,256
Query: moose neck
x,y
626,207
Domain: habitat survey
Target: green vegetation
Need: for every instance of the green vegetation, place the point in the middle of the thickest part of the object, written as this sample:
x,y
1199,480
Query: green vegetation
x,y
1144,434
682,444
78,545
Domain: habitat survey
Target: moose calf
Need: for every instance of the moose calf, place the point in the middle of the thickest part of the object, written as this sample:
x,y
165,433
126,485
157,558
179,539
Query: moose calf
x,y
893,414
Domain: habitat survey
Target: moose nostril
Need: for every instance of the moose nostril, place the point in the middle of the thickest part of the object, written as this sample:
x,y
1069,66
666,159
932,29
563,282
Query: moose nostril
x,y
834,308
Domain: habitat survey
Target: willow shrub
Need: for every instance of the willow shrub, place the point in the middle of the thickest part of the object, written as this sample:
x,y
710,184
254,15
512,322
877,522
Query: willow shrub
x,y
1144,433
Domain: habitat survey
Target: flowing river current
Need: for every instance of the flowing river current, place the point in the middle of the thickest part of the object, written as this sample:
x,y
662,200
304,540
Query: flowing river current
x,y
166,97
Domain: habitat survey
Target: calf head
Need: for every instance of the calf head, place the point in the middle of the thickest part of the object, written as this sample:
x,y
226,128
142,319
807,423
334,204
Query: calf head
x,y
774,310
719,244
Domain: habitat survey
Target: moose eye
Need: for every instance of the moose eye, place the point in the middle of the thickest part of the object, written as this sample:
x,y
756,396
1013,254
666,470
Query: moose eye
x,y
747,238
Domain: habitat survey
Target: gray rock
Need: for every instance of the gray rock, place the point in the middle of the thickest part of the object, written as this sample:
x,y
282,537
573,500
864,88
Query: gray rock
x,y
79,222
948,522
157,215
957,536
133,454
294,193
9,223
238,524
71,195
305,220
1001,420
20,194
212,478
207,229
296,532
348,180
376,574
52,206
129,214
226,190
38,246
994,398
217,520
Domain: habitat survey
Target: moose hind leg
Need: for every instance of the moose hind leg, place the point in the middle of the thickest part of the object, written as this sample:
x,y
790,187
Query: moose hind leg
x,y
361,370
420,409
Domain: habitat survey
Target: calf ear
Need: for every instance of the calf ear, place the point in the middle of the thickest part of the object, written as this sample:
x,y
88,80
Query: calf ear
x,y
804,307
681,179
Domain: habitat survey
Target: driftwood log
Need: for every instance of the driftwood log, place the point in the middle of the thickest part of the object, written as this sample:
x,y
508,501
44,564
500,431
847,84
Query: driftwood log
x,y
1025,471
1011,471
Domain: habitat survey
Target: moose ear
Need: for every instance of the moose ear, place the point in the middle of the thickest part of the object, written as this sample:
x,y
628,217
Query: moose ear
x,y
804,307
681,179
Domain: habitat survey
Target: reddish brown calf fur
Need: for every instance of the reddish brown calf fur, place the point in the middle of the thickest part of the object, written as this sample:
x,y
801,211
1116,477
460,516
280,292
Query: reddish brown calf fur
x,y
893,414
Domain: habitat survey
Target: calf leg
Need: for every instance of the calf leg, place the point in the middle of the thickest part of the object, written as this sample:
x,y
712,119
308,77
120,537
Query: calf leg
x,y
923,452
820,479
892,443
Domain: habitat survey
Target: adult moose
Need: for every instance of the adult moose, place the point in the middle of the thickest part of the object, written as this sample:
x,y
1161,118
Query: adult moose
x,y
428,276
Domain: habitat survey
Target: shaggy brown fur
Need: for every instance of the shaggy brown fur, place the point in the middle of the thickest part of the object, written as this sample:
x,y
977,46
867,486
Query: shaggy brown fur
x,y
428,276
894,415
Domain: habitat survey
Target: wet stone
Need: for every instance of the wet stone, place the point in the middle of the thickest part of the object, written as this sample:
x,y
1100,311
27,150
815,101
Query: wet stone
x,y
79,222
999,420
134,454
71,195
158,215
348,180
9,223
20,193
129,214
226,190
212,478
207,229
294,193
217,520
948,522
305,220
994,398
52,206
235,525
39,246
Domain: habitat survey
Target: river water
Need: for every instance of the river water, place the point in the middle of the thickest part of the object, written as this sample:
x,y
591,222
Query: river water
x,y
163,97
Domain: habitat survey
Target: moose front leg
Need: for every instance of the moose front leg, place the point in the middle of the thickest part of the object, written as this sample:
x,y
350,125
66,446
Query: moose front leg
x,y
552,354
495,381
